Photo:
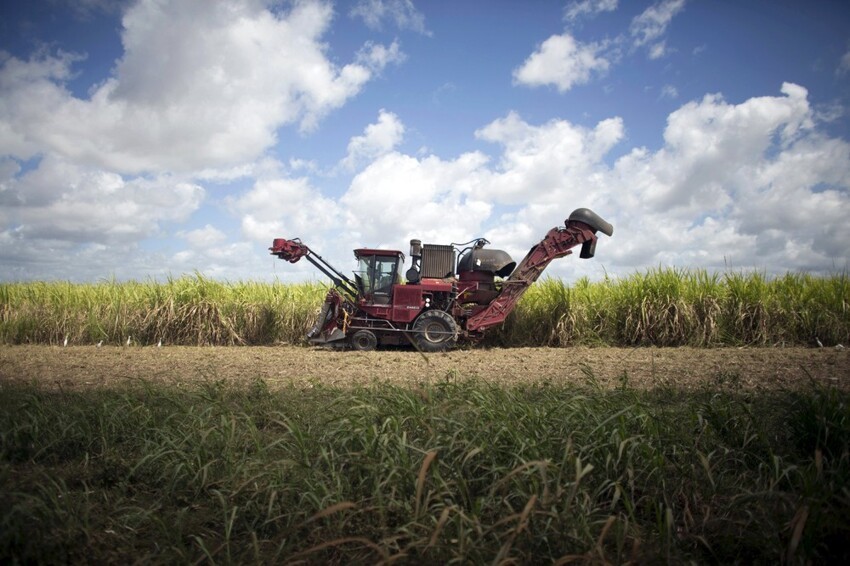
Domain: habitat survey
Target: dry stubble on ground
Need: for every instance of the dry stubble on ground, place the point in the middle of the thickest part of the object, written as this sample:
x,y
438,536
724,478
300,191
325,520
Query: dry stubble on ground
x,y
752,368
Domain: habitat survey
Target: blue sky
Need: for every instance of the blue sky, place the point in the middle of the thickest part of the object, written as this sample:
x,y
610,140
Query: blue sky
x,y
159,137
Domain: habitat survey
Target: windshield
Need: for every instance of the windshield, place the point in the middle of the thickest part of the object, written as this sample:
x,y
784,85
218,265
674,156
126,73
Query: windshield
x,y
375,275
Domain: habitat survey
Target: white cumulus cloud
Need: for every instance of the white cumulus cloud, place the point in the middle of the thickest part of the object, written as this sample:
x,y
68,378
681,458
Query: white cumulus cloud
x,y
753,184
399,197
200,85
197,95
204,237
562,61
548,164
278,206
377,139
63,220
62,200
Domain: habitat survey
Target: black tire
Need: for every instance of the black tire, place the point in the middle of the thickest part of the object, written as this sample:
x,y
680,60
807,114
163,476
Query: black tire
x,y
435,331
364,340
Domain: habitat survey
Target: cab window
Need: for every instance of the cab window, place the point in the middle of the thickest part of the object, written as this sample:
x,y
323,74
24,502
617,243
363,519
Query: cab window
x,y
376,275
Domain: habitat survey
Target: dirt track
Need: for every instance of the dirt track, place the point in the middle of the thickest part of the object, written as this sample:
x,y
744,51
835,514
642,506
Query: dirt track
x,y
88,366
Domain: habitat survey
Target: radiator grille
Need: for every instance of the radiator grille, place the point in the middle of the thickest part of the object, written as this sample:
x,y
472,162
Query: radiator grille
x,y
438,261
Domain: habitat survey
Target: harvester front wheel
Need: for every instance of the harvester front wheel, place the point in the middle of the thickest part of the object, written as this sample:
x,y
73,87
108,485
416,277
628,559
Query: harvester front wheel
x,y
364,340
434,331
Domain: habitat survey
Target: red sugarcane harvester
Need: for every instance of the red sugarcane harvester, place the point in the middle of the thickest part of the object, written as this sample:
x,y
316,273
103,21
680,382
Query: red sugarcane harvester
x,y
443,299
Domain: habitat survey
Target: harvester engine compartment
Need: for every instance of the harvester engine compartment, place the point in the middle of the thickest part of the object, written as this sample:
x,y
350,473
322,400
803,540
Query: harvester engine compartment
x,y
430,261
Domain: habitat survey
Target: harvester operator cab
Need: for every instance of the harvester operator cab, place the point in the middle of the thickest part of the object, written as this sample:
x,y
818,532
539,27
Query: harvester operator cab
x,y
377,272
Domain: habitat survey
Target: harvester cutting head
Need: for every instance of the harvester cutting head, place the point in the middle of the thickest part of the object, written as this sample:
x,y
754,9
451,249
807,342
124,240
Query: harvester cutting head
x,y
290,250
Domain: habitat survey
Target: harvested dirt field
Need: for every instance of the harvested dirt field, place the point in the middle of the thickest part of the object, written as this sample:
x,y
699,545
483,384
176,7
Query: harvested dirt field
x,y
749,368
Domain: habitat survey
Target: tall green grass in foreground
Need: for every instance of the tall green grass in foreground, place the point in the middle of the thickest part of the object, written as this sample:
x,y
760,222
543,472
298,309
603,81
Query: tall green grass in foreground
x,y
458,472
664,307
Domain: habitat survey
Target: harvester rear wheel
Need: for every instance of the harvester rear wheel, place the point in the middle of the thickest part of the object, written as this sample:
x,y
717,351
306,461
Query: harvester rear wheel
x,y
364,340
434,331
